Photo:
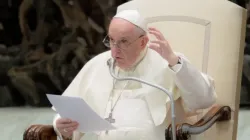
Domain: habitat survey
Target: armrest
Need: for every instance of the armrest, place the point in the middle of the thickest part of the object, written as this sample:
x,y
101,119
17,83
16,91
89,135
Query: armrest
x,y
40,132
185,130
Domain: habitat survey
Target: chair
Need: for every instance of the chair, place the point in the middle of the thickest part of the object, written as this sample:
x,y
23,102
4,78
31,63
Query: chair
x,y
211,34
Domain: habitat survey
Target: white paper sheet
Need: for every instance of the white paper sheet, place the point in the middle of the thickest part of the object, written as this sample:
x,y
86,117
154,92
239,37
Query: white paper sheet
x,y
78,110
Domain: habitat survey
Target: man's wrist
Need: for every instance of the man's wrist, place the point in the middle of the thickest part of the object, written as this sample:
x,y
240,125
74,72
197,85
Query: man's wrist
x,y
173,60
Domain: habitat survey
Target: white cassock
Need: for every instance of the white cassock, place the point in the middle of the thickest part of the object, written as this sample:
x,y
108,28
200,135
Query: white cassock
x,y
141,112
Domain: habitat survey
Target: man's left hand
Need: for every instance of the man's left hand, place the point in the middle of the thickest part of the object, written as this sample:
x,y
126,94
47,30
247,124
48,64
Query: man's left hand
x,y
162,47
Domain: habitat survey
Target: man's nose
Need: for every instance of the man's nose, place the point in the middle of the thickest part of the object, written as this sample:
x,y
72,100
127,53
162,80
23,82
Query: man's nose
x,y
114,44
114,51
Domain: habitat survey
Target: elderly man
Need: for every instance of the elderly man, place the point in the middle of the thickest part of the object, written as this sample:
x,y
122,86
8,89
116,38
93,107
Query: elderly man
x,y
139,112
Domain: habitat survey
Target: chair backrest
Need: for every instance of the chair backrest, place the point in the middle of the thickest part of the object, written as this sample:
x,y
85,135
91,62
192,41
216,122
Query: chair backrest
x,y
211,34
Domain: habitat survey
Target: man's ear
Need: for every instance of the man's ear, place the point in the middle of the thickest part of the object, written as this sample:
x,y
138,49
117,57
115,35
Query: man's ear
x,y
144,41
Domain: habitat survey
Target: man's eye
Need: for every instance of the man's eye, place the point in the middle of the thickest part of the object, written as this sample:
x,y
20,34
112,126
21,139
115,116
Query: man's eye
x,y
111,39
124,41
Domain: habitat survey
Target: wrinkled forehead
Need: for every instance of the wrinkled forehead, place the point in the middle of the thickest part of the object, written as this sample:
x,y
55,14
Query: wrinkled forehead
x,y
121,28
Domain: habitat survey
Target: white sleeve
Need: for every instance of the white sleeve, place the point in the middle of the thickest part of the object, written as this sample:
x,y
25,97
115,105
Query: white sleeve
x,y
55,128
197,89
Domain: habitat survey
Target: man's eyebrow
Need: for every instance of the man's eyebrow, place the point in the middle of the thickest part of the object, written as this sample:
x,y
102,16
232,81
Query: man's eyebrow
x,y
124,37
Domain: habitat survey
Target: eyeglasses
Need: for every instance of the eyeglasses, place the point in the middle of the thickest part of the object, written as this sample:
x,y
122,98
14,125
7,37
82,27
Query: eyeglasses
x,y
122,44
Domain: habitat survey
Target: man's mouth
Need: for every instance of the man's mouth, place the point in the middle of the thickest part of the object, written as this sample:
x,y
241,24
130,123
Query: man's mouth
x,y
118,58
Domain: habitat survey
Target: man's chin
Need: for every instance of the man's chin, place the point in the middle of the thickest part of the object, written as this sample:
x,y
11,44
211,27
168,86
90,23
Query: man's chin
x,y
120,64
123,66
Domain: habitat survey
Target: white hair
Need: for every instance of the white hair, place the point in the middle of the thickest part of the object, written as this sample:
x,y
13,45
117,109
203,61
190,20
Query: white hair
x,y
140,31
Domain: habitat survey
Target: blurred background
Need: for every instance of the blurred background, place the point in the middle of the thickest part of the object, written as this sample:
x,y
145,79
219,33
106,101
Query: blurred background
x,y
43,45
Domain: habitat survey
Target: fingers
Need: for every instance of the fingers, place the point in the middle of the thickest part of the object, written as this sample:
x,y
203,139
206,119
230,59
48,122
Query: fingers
x,y
153,29
63,120
156,33
69,130
67,125
159,42
155,46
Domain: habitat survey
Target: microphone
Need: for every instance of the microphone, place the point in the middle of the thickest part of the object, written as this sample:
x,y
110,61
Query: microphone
x,y
111,64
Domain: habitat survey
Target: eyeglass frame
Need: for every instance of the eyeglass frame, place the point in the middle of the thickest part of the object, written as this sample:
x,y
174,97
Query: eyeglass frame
x,y
118,44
